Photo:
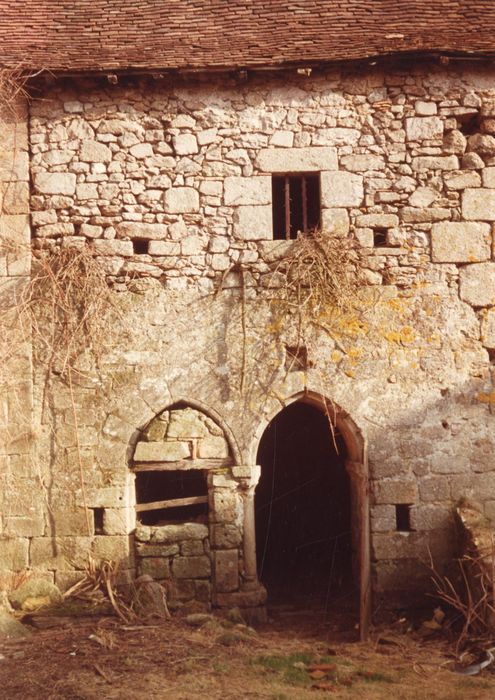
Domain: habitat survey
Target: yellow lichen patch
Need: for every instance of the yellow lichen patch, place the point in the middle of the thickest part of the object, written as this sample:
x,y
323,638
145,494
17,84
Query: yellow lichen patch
x,y
487,398
397,304
352,326
403,336
354,354
275,327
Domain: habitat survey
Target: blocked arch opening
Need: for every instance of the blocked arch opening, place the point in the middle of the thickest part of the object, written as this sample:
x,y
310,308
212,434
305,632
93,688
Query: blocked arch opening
x,y
171,459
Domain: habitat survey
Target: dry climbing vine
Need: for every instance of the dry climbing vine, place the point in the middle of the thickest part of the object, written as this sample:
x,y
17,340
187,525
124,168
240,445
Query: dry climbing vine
x,y
317,278
70,302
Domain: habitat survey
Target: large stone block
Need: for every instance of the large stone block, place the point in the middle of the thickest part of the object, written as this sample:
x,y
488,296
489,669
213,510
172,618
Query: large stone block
x,y
55,183
156,567
488,176
248,190
74,522
398,545
119,521
185,144
402,490
171,534
181,200
192,548
421,163
213,447
144,549
132,229
416,215
225,536
477,284
191,567
460,242
488,328
14,198
431,517
341,189
335,221
383,518
113,548
336,136
478,204
434,488
226,570
424,128
113,247
377,220
253,223
362,163
166,248
186,423
484,144
161,451
14,165
59,552
226,506
15,229
94,152
463,179
30,525
87,190
292,160
14,554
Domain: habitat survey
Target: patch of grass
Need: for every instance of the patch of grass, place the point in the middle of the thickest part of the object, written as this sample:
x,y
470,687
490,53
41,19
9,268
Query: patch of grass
x,y
221,669
371,677
280,663
285,666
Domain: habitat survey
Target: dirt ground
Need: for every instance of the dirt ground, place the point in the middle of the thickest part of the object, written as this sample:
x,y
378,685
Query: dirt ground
x,y
296,655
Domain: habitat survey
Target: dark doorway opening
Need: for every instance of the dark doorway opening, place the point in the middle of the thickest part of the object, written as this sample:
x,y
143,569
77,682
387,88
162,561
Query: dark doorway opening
x,y
303,510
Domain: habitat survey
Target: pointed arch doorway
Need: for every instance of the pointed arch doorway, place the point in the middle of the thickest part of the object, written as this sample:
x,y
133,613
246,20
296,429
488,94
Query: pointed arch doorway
x,y
312,507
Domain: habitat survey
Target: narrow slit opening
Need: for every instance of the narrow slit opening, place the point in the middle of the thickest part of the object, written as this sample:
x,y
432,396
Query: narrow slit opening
x,y
403,517
98,518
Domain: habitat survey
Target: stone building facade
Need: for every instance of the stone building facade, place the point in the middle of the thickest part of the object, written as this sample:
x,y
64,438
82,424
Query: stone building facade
x,y
170,185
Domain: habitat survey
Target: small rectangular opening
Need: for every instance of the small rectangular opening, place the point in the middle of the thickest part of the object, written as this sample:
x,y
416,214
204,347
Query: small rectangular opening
x,y
380,237
469,124
169,491
296,204
140,246
98,516
403,517
296,358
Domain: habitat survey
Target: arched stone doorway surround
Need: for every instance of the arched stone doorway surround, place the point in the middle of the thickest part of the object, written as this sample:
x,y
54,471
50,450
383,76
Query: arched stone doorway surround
x,y
357,469
200,556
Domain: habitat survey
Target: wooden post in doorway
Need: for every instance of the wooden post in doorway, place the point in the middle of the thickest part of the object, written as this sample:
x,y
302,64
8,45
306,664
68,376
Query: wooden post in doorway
x,y
358,472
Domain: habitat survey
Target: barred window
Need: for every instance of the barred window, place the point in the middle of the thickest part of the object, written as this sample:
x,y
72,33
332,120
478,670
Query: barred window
x,y
296,204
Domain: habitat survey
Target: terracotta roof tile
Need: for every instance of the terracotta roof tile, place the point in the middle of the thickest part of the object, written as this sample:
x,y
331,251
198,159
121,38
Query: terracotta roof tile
x,y
91,35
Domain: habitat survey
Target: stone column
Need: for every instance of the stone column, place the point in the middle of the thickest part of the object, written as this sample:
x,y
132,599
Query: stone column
x,y
248,478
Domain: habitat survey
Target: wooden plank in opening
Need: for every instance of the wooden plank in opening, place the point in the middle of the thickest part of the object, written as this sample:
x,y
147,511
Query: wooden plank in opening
x,y
287,207
304,200
183,464
172,503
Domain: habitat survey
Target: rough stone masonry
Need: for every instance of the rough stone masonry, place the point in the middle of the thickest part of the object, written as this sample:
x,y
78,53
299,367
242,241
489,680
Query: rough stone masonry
x,y
170,186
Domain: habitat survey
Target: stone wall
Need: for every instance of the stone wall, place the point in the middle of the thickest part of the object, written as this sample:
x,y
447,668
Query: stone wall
x,y
406,158
21,511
